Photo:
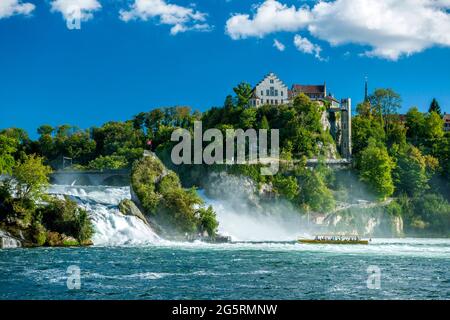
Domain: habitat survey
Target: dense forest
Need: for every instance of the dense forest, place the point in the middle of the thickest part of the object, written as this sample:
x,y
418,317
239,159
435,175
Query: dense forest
x,y
403,158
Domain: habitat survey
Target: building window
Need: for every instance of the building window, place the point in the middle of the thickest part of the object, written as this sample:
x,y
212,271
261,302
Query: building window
x,y
268,101
262,92
271,80
267,92
276,93
281,92
272,91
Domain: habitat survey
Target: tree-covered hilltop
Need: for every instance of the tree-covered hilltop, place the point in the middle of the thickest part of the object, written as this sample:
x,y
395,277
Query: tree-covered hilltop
x,y
399,157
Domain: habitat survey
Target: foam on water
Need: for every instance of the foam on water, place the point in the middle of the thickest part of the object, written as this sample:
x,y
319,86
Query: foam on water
x,y
112,228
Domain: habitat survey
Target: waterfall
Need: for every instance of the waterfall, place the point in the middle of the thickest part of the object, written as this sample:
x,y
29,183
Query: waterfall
x,y
244,222
112,228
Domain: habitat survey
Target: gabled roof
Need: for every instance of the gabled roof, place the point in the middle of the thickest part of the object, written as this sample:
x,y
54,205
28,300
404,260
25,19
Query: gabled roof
x,y
447,117
310,89
271,74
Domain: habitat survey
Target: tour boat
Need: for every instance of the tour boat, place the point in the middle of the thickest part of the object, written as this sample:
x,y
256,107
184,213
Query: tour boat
x,y
334,240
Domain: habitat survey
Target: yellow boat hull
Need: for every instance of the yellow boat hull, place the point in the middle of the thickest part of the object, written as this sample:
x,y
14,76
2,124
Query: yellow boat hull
x,y
333,242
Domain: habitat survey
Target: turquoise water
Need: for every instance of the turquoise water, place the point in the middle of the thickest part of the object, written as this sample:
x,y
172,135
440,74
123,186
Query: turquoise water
x,y
410,269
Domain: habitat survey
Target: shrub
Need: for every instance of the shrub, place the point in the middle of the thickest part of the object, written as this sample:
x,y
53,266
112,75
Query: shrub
x,y
65,217
108,163
208,221
39,233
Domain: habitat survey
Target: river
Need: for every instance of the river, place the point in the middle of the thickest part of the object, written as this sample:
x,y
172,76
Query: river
x,y
129,261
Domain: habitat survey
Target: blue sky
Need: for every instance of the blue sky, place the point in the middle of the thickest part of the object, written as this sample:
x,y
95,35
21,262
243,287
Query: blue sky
x,y
111,69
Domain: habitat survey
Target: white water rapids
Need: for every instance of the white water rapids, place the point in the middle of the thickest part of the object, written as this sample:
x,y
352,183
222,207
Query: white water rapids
x,y
112,228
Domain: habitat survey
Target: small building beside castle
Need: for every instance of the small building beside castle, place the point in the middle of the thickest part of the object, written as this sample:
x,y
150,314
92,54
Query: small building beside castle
x,y
447,122
272,91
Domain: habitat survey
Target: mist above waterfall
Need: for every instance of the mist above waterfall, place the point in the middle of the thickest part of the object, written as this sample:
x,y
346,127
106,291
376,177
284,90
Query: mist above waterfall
x,y
244,216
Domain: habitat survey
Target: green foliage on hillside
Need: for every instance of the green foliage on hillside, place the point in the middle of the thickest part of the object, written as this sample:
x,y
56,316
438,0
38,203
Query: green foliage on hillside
x,y
43,220
161,195
301,132
376,169
408,159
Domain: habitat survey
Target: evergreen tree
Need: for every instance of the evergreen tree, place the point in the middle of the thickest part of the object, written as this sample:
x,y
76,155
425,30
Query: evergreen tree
x,y
434,107
244,93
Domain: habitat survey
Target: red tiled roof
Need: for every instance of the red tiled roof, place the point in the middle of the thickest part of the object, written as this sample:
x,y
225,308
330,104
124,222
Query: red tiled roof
x,y
299,88
402,117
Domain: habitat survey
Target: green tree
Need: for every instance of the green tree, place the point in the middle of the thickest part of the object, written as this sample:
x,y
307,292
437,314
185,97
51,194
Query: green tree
x,y
66,217
264,123
397,134
434,107
434,126
432,215
410,174
376,169
415,123
8,147
244,93
228,105
108,163
386,103
286,186
31,176
363,130
313,195
45,130
82,225
248,118
208,221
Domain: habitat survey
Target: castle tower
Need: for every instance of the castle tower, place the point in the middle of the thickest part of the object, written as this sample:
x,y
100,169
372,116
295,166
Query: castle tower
x,y
346,125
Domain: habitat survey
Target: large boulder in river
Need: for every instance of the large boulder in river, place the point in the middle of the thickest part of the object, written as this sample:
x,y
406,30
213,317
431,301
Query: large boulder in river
x,y
129,208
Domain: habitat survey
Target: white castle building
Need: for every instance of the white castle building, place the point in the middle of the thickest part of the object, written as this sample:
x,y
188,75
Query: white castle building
x,y
272,91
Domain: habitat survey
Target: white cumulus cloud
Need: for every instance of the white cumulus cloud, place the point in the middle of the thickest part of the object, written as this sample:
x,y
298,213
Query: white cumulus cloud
x,y
76,9
304,45
277,44
9,8
270,16
391,28
181,18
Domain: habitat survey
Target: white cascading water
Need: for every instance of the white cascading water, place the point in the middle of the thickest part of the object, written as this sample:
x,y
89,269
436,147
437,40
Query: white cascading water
x,y
112,228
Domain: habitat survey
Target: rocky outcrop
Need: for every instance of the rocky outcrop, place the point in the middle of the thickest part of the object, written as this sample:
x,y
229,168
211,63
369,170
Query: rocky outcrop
x,y
158,194
370,222
7,241
129,208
